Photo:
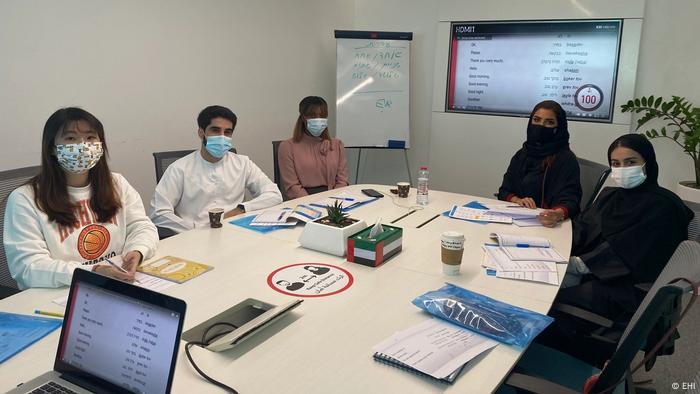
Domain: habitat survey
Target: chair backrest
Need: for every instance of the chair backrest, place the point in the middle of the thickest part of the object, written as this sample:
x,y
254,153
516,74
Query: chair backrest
x,y
593,176
276,164
694,225
165,159
660,299
9,181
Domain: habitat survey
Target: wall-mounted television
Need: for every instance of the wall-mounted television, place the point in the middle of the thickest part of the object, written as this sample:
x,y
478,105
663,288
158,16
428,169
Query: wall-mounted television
x,y
506,67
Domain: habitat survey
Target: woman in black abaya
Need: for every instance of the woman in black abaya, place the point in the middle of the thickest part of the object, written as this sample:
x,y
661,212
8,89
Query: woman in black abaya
x,y
624,239
544,173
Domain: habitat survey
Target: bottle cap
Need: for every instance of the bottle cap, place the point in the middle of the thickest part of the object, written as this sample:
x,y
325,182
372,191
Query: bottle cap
x,y
424,167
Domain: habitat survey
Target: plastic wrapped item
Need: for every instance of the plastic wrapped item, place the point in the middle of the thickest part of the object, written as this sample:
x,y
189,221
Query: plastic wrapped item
x,y
495,319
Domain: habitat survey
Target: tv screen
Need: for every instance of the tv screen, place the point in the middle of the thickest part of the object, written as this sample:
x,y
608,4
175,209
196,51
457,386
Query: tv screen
x,y
505,68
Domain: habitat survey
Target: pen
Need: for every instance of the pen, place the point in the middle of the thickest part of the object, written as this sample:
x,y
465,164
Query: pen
x,y
522,245
428,221
45,313
281,215
120,269
343,198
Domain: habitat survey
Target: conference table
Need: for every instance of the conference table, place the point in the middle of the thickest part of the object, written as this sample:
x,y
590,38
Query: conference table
x,y
325,344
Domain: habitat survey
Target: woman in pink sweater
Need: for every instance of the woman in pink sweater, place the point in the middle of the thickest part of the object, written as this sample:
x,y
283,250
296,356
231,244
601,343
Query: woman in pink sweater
x,y
311,162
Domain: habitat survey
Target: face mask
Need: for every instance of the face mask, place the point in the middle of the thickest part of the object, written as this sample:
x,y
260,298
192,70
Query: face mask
x,y
628,177
539,133
78,158
316,126
218,145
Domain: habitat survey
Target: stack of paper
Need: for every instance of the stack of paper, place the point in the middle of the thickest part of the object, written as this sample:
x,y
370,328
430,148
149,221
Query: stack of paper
x,y
523,257
286,216
435,348
347,200
523,217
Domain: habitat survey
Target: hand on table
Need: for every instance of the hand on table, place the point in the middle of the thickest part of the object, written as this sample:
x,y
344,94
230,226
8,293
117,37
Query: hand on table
x,y
526,202
550,217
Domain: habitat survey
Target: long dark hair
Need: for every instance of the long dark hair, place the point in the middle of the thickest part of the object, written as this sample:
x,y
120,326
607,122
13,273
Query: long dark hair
x,y
50,188
306,104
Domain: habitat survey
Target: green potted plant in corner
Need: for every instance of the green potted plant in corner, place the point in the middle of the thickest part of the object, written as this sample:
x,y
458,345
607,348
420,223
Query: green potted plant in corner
x,y
329,234
680,122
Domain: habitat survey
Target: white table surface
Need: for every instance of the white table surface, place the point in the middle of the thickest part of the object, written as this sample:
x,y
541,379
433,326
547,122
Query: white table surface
x,y
325,344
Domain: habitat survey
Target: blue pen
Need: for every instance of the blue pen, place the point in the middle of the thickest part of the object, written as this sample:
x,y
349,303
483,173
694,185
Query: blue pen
x,y
522,245
343,198
281,216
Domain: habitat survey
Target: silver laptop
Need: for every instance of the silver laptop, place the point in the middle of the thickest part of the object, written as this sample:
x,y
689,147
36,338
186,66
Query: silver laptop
x,y
116,338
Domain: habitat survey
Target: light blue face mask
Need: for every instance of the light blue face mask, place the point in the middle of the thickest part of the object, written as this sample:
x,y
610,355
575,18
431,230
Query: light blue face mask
x,y
628,177
218,145
316,126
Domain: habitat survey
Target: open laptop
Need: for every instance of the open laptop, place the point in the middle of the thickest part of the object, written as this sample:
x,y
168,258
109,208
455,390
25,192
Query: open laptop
x,y
116,338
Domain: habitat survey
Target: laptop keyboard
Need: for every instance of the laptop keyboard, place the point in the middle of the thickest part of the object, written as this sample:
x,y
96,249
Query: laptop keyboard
x,y
52,388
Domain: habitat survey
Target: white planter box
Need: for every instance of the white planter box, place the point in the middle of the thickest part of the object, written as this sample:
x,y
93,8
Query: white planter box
x,y
687,193
329,239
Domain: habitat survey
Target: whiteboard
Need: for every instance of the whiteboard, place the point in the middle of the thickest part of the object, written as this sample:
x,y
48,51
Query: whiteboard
x,y
372,89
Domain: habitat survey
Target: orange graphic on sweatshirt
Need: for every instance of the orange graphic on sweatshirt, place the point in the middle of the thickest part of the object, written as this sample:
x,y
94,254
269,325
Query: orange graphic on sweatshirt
x,y
93,241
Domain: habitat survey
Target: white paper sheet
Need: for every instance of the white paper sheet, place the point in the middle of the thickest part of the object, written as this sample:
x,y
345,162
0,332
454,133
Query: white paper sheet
x,y
435,347
480,215
520,240
533,254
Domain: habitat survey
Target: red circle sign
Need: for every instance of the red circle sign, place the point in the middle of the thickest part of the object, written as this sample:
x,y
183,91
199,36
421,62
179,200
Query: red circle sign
x,y
310,280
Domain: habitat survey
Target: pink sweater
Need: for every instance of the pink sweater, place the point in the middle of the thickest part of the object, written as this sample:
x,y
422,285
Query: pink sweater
x,y
312,162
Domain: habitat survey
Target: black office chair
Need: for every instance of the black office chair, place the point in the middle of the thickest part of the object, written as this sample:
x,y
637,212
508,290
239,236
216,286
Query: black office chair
x,y
654,323
276,164
593,176
9,181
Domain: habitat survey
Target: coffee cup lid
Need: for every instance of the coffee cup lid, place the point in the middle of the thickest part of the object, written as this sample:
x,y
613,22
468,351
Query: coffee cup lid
x,y
453,234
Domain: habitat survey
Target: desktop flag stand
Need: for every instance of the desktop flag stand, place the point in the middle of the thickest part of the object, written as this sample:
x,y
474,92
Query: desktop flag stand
x,y
373,252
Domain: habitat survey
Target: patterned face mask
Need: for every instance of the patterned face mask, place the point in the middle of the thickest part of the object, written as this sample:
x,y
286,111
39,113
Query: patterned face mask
x,y
78,158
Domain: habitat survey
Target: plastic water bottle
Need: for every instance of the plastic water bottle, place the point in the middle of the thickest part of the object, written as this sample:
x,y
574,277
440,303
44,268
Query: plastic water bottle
x,y
422,195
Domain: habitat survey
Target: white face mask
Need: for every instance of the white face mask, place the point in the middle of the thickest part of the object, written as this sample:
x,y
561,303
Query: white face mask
x,y
316,126
628,177
78,158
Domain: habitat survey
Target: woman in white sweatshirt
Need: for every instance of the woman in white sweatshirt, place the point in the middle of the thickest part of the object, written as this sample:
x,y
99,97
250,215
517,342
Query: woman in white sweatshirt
x,y
75,213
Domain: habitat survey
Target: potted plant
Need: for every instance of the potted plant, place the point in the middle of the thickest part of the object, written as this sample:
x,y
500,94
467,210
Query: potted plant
x,y
329,234
681,124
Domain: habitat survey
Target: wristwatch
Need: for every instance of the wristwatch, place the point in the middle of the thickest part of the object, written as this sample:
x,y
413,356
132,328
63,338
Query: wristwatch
x,y
241,207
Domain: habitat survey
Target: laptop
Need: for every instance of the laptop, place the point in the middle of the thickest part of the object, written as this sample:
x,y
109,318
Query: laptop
x,y
116,338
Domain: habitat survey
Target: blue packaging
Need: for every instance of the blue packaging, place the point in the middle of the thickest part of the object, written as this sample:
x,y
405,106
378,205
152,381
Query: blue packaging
x,y
495,319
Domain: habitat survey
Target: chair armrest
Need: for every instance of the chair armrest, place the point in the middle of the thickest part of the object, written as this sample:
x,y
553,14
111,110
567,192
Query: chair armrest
x,y
643,287
536,385
583,314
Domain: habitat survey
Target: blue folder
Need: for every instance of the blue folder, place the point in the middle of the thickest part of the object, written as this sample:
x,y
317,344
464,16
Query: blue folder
x,y
18,332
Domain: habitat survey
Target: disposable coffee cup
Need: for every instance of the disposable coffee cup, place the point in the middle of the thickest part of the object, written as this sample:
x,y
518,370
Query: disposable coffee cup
x,y
403,187
451,250
215,215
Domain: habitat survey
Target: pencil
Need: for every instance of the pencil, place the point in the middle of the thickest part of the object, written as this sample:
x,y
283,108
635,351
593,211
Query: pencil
x,y
45,313
428,221
402,216
120,269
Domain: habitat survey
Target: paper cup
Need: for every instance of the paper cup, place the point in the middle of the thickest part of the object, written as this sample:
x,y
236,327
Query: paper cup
x,y
404,188
451,250
215,215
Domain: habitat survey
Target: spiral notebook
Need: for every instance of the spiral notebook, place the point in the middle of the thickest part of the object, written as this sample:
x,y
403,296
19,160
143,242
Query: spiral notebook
x,y
388,360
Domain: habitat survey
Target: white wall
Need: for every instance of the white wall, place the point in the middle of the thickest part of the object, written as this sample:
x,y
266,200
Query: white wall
x,y
146,69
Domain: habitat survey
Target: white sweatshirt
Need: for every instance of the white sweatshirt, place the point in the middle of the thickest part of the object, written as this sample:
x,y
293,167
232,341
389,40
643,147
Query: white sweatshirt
x,y
44,254
191,186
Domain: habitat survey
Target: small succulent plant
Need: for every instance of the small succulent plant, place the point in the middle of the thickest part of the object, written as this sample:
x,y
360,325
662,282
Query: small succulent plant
x,y
335,213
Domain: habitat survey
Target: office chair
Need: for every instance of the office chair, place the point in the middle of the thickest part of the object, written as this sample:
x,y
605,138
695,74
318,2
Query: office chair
x,y
276,164
694,225
593,176
651,329
9,181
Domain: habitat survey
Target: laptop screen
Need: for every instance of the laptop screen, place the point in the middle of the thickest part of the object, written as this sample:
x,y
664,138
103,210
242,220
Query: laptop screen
x,y
123,340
